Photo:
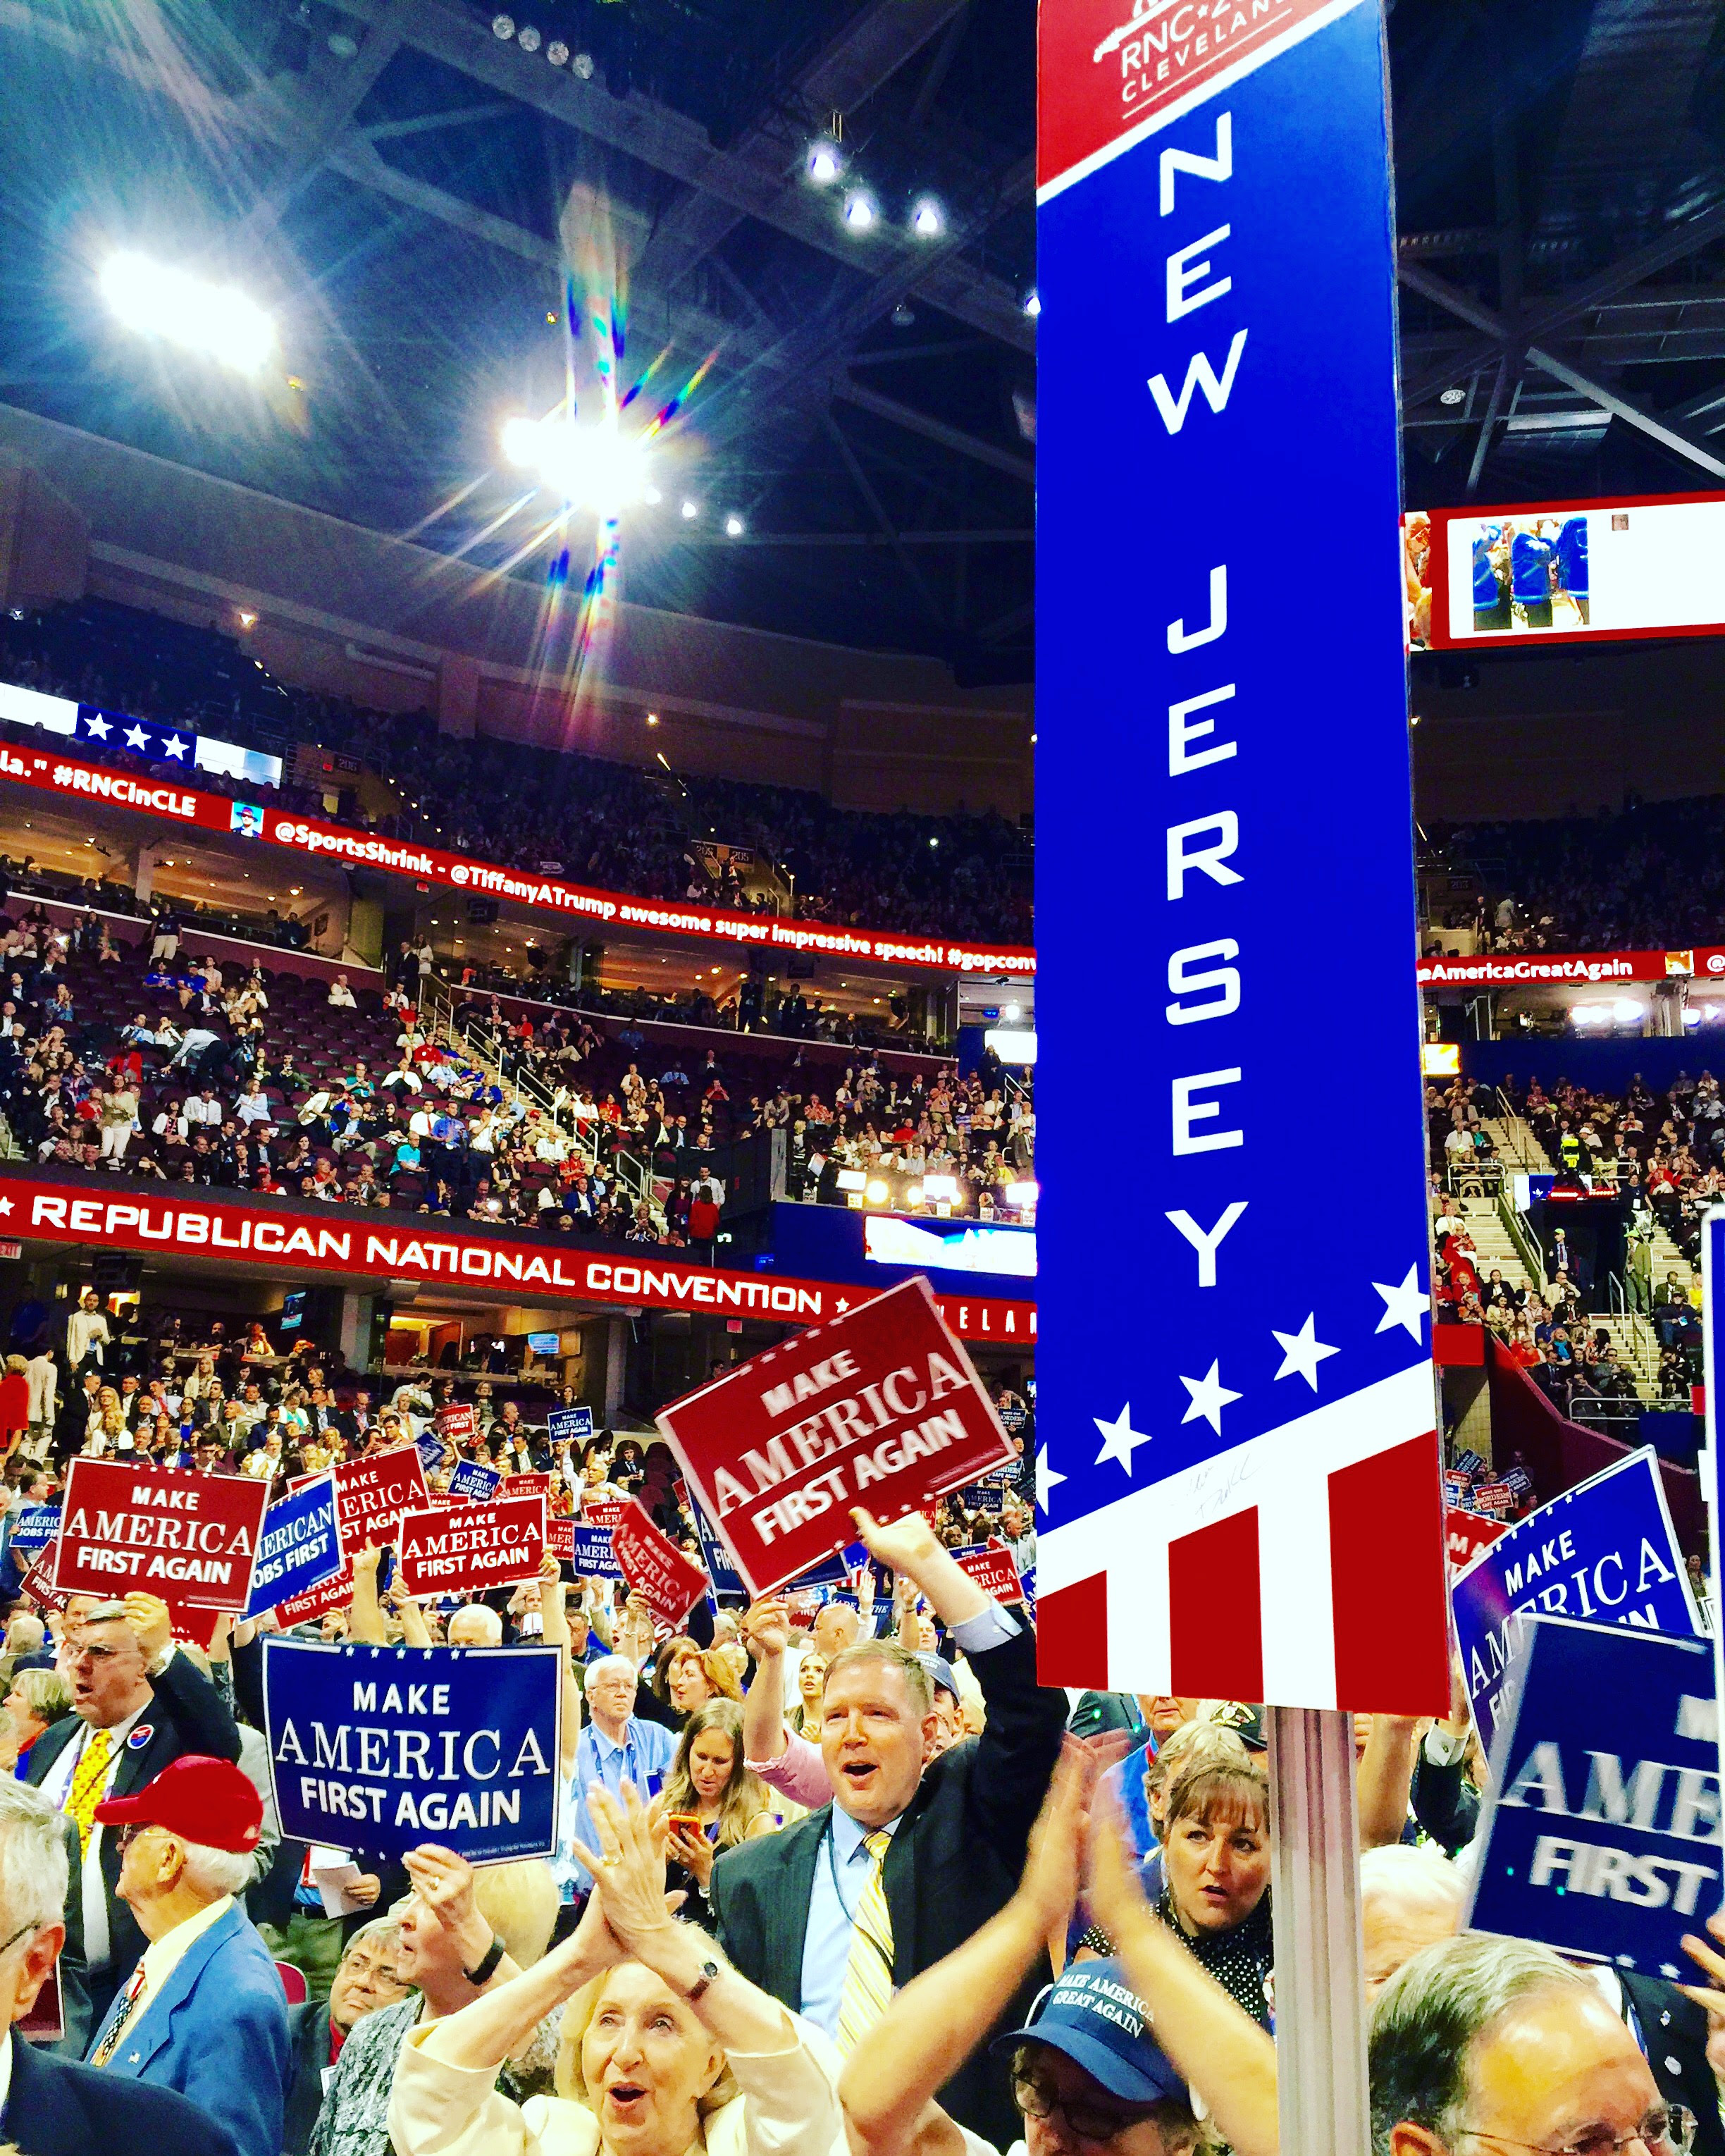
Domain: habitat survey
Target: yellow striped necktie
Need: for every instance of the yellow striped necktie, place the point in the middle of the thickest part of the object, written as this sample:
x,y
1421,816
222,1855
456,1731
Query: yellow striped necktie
x,y
85,1793
868,1974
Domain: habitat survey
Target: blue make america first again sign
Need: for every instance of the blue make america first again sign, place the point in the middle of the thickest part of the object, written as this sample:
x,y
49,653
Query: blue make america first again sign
x,y
1239,1472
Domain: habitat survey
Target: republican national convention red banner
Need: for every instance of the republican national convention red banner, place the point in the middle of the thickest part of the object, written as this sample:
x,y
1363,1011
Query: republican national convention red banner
x,y
306,836
331,1242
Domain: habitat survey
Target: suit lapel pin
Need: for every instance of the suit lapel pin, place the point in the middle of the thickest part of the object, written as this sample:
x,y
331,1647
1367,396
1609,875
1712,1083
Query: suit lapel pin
x,y
139,1736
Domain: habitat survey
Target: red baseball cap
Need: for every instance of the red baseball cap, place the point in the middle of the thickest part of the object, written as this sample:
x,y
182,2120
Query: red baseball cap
x,y
201,1799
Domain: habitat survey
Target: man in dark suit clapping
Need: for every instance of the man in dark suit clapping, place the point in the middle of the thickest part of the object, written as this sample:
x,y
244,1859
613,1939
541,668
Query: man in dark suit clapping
x,y
916,1852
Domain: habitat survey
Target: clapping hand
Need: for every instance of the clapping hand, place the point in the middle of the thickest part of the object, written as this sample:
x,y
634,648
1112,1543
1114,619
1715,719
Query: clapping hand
x,y
627,1867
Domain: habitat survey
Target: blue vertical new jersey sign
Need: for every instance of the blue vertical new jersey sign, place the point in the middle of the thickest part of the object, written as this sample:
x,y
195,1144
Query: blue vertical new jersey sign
x,y
1251,1511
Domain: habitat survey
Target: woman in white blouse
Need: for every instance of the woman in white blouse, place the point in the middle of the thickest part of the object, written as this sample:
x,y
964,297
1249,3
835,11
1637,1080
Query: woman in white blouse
x,y
665,2049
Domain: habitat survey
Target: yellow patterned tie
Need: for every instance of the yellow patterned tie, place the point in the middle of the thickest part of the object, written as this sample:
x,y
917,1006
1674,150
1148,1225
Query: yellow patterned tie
x,y
85,1793
868,1974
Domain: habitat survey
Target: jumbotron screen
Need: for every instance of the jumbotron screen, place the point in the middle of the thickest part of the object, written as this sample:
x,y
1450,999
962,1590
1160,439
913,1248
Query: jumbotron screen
x,y
1564,572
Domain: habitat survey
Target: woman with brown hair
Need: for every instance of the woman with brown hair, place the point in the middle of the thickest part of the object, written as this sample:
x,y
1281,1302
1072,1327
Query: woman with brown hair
x,y
1217,1855
710,1802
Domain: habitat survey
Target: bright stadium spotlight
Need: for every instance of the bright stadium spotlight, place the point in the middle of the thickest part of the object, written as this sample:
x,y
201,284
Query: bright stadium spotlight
x,y
928,220
859,210
596,466
527,37
877,1193
733,526
691,510
557,53
159,301
503,28
825,163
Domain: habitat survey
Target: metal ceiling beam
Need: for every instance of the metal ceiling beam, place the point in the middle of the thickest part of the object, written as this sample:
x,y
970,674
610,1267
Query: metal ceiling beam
x,y
355,159
428,123
656,135
877,508
934,431
1479,316
866,54
317,118
1544,316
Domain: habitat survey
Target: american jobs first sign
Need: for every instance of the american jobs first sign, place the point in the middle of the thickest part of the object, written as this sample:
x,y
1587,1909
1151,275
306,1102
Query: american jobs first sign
x,y
880,1408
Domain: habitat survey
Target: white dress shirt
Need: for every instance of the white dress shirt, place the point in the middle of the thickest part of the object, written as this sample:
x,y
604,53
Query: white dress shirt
x,y
56,1787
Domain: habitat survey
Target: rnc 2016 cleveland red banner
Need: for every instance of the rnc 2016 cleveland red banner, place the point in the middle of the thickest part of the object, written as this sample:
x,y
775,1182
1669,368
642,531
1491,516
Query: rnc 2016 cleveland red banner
x,y
187,805
323,1239
1217,372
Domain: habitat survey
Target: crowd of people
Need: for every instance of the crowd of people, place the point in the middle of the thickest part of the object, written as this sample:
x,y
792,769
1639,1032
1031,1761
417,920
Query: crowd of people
x,y
1663,1154
757,847
1649,877
592,1134
832,1871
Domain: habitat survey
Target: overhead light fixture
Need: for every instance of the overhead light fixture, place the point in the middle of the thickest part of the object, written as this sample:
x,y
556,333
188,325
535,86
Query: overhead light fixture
x,y
903,314
825,163
342,46
583,65
1453,395
527,37
653,718
1033,303
651,496
247,620
217,320
594,466
928,220
859,210
557,53
733,525
691,510
503,28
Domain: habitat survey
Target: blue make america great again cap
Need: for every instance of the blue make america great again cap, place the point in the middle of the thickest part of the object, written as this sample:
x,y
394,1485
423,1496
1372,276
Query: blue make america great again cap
x,y
1095,2017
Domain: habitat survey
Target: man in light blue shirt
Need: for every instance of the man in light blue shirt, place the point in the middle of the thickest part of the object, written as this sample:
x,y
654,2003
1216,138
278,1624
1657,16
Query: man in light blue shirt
x,y
613,1749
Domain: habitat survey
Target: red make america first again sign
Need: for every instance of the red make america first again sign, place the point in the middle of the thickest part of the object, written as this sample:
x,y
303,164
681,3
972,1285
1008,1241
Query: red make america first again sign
x,y
881,1408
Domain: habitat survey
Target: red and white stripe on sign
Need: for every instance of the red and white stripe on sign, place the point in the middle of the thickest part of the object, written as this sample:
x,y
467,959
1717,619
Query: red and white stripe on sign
x,y
1347,1553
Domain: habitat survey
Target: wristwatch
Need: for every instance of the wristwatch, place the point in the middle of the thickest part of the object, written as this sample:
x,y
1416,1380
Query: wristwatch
x,y
486,1968
709,1970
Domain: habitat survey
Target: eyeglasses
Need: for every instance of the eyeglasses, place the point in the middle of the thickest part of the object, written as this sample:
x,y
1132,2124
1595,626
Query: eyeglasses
x,y
1670,2128
1090,2122
125,1836
23,1932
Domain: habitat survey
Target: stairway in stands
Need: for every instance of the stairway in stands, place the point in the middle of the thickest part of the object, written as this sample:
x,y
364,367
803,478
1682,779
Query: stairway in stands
x,y
1637,1344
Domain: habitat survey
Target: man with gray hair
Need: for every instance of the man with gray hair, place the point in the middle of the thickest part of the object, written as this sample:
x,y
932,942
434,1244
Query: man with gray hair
x,y
1497,2044
137,1702
1409,1898
49,2105
616,1746
203,2012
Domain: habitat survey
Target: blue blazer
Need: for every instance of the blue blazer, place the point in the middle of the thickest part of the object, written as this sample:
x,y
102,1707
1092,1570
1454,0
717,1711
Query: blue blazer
x,y
217,2032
